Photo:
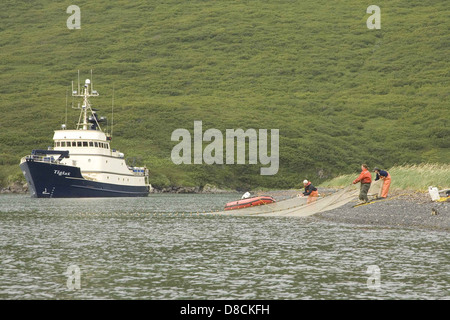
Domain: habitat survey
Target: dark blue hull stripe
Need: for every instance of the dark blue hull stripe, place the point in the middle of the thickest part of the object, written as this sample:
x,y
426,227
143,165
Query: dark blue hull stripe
x,y
103,190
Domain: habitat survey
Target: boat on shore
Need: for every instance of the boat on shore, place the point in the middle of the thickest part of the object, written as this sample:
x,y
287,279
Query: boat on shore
x,y
82,163
249,202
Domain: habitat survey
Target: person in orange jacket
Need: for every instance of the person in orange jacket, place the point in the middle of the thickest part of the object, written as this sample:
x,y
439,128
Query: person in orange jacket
x,y
386,177
365,178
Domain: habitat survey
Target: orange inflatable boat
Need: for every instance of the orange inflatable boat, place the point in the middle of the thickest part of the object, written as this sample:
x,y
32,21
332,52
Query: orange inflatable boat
x,y
249,202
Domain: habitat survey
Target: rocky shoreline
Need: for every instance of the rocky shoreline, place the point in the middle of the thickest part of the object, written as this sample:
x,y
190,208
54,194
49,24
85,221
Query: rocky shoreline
x,y
15,187
20,187
197,189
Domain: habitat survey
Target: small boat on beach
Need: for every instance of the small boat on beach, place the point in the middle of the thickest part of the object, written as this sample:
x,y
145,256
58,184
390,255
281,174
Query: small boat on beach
x,y
249,202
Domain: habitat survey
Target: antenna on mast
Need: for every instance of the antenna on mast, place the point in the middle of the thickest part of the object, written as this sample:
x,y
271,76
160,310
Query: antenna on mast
x,y
112,113
63,126
85,122
73,92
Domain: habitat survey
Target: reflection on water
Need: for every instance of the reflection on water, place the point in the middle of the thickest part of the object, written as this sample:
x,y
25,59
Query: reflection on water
x,y
155,248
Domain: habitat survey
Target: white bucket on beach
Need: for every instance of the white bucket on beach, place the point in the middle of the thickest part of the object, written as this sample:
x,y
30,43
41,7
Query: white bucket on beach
x,y
434,193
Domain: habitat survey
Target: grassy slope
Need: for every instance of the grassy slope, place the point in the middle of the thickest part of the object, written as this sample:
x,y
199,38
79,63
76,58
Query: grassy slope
x,y
339,93
409,177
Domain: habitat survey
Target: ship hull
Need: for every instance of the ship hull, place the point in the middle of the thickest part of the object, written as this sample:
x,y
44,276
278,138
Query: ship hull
x,y
50,180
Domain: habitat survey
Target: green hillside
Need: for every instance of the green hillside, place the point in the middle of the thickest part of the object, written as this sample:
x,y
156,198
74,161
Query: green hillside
x,y
406,177
339,93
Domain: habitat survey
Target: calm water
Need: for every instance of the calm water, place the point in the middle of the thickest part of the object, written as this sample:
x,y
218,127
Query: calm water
x,y
155,248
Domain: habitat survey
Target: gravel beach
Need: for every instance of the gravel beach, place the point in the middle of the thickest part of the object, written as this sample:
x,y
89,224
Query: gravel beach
x,y
400,209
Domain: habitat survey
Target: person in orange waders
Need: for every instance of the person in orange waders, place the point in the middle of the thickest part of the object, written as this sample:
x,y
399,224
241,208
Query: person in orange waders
x,y
310,191
386,177
366,179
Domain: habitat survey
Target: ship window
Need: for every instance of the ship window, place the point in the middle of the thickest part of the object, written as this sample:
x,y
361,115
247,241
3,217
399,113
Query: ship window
x,y
85,144
79,144
91,144
96,144
63,144
57,144
106,146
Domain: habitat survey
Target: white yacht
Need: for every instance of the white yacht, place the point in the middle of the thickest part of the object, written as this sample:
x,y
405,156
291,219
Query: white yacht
x,y
82,162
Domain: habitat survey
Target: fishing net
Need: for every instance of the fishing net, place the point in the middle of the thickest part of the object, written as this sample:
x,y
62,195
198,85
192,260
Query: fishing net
x,y
297,206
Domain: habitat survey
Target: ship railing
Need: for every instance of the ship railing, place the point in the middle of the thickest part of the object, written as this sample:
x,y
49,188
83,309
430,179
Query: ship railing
x,y
47,156
39,158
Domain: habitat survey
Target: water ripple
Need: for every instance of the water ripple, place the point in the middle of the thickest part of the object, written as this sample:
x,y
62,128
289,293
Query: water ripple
x,y
125,250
